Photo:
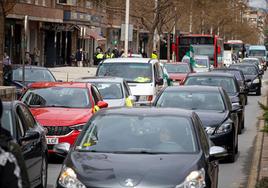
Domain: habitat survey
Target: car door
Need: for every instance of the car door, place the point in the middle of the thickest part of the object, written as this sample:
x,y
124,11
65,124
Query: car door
x,y
158,75
212,166
96,96
31,149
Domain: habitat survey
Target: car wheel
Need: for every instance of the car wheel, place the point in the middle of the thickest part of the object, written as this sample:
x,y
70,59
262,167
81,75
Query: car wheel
x,y
43,177
258,92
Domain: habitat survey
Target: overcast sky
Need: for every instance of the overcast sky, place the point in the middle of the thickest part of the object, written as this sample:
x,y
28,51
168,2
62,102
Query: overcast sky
x,y
258,3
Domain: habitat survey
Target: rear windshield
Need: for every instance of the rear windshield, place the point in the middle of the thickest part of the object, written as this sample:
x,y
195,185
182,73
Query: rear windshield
x,y
247,70
109,90
131,72
177,68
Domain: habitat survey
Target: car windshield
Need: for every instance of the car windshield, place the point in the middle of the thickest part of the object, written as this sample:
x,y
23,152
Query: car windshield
x,y
226,83
131,72
177,68
121,133
109,90
236,73
57,97
247,70
33,75
201,63
257,53
192,100
6,121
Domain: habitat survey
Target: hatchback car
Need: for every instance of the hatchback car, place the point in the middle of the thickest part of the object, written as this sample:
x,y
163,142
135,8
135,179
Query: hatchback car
x,y
141,147
32,74
62,108
114,91
252,75
202,63
229,83
178,72
214,108
30,136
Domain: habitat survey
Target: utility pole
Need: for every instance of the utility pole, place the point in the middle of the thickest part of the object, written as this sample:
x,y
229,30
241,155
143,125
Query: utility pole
x,y
126,27
155,31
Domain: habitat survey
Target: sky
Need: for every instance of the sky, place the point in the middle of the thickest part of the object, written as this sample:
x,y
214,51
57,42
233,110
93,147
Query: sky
x,y
258,3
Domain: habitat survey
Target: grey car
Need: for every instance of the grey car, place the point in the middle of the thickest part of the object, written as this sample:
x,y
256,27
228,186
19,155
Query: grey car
x,y
114,90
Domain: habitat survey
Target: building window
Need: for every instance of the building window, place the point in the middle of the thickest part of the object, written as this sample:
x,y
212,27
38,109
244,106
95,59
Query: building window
x,y
67,2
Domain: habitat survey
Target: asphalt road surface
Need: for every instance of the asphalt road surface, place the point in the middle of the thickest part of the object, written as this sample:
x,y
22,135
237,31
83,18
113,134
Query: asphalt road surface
x,y
233,175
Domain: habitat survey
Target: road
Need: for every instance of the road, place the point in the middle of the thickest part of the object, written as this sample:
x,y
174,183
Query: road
x,y
232,175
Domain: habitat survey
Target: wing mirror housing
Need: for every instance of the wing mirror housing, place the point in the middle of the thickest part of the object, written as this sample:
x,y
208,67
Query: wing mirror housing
x,y
217,153
133,98
62,149
159,81
236,107
102,104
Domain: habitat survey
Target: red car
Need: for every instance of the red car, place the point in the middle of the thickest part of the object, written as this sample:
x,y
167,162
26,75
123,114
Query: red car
x,y
63,108
178,71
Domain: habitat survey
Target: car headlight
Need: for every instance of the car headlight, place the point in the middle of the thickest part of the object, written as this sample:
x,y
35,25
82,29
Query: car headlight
x,y
210,130
77,127
196,179
225,127
68,179
256,81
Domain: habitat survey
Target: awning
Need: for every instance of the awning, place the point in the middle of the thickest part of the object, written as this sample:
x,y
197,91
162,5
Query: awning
x,y
91,33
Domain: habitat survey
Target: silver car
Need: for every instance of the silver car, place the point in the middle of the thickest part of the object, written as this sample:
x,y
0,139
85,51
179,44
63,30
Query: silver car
x,y
201,63
114,90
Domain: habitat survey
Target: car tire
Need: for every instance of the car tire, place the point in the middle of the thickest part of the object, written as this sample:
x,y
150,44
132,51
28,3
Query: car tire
x,y
43,178
232,152
258,92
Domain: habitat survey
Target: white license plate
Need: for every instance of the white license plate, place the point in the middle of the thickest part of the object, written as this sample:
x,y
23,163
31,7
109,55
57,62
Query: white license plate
x,y
52,141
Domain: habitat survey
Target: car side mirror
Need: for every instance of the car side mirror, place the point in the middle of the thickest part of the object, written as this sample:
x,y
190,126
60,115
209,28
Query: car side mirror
x,y
261,72
102,104
30,135
236,107
217,153
62,149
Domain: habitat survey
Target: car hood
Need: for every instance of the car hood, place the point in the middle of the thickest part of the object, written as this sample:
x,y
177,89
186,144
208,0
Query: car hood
x,y
177,76
212,119
113,170
251,77
61,116
115,102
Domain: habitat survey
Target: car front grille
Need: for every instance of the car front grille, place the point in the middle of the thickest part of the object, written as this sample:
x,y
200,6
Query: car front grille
x,y
57,130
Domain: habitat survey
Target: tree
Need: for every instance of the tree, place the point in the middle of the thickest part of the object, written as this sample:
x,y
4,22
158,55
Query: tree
x,y
5,7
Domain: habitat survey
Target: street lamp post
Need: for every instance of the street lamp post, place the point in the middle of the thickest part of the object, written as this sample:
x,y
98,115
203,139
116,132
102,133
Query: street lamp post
x,y
126,27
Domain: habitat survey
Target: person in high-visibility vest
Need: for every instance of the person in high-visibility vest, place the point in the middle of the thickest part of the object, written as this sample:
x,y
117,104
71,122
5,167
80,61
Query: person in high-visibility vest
x,y
154,55
129,102
98,56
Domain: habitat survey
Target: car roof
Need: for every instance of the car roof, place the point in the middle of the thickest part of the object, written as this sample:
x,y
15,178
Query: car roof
x,y
194,88
148,111
15,66
215,73
100,79
59,84
243,64
130,60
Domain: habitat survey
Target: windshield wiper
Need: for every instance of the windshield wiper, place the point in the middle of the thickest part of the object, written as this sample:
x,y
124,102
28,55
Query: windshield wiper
x,y
59,106
140,152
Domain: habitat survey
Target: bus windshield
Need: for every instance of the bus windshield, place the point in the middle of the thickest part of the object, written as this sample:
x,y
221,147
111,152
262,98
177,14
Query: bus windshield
x,y
207,50
234,47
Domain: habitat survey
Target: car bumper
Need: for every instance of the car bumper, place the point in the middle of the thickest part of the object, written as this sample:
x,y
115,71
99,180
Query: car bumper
x,y
254,87
69,138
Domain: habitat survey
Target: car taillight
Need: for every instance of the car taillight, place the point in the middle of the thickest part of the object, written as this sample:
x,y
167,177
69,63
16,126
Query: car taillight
x,y
150,98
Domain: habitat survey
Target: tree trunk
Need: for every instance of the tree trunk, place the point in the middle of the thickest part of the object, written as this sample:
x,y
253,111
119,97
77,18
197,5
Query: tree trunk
x,y
2,42
150,44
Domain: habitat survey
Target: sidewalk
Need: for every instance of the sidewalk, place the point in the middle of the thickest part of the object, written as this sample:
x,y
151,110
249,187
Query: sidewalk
x,y
72,73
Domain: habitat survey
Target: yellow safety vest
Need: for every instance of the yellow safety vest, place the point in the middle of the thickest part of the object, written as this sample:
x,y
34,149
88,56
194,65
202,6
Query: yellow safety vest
x,y
129,102
154,56
100,56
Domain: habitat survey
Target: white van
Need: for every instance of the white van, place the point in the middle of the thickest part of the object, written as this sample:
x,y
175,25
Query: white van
x,y
143,75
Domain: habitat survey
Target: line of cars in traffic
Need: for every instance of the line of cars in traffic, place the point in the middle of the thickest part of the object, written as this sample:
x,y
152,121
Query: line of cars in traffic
x,y
175,143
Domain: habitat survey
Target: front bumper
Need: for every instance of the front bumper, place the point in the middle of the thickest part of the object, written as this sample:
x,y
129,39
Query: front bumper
x,y
254,87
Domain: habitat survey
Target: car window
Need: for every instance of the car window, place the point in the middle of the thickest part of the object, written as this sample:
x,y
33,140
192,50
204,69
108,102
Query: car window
x,y
138,133
33,75
192,100
6,121
22,120
95,94
20,128
28,116
203,135
57,97
127,90
110,90
227,83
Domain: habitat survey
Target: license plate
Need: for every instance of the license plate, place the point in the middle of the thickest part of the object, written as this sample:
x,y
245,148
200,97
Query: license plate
x,y
52,141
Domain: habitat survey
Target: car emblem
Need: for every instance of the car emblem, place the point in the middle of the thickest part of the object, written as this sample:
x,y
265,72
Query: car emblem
x,y
129,183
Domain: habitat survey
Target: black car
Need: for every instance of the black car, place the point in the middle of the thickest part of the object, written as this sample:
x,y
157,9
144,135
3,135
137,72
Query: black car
x,y
32,74
229,83
31,137
141,147
240,78
252,74
214,108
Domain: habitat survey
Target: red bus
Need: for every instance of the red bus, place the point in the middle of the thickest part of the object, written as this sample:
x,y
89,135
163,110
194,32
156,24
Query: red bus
x,y
209,45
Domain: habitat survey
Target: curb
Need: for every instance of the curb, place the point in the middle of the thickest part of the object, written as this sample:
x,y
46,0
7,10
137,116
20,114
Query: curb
x,y
254,173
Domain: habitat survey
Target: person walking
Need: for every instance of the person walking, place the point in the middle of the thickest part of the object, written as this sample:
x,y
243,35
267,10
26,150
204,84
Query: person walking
x,y
79,56
98,56
154,55
13,170
27,59
116,52
36,56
